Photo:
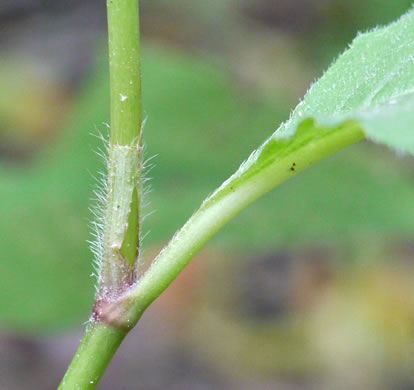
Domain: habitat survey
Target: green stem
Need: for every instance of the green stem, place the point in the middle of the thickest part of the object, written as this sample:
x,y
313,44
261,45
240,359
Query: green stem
x,y
121,231
122,221
125,70
126,95
93,356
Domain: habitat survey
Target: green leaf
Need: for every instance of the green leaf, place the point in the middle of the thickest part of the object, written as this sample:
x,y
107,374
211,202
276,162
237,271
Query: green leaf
x,y
368,90
390,123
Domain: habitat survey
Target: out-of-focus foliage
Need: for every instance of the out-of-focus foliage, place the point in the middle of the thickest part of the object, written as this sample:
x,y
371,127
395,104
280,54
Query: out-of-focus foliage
x,y
31,107
298,314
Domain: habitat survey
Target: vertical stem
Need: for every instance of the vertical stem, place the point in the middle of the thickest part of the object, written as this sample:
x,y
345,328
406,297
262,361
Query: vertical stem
x,y
120,246
126,97
125,70
122,220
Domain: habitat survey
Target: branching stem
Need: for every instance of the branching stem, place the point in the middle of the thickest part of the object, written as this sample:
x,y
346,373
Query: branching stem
x,y
122,299
217,211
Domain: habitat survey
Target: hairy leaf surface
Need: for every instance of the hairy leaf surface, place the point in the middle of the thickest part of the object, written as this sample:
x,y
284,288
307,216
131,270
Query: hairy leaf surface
x,y
369,89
